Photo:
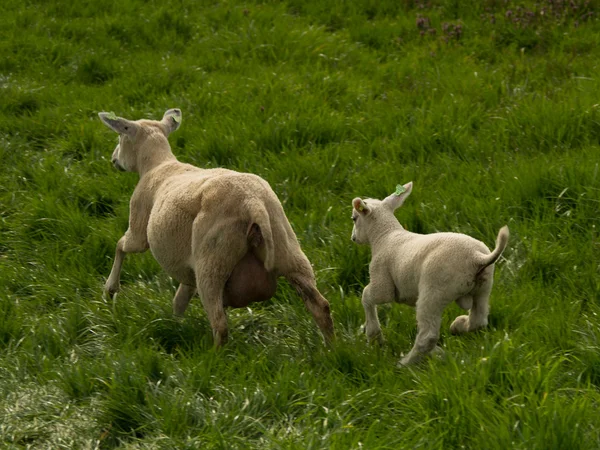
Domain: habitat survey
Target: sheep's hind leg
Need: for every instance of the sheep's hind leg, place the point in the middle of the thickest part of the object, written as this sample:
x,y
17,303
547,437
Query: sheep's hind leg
x,y
212,300
129,243
213,268
304,282
182,299
429,320
210,282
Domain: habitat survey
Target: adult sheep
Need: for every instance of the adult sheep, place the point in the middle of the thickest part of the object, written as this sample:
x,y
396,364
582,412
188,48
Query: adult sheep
x,y
218,232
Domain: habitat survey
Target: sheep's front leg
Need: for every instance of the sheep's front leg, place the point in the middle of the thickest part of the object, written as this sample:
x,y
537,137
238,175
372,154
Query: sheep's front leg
x,y
135,240
129,243
182,299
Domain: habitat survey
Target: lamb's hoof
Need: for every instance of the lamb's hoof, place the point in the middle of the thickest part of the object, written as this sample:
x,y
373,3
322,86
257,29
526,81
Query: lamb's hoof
x,y
375,338
460,325
438,352
372,336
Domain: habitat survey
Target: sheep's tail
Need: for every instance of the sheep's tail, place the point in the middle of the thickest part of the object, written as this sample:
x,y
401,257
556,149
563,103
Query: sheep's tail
x,y
260,217
501,242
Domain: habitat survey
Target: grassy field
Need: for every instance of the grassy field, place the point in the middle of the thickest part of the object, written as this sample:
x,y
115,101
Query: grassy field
x,y
490,107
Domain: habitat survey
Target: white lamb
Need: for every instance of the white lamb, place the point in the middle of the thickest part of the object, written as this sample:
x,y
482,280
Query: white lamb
x,y
220,233
427,271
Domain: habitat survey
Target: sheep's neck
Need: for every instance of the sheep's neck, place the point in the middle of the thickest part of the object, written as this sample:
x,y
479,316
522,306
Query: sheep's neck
x,y
155,154
381,230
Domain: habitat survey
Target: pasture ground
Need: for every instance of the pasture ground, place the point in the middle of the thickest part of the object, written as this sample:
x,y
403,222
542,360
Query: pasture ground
x,y
491,108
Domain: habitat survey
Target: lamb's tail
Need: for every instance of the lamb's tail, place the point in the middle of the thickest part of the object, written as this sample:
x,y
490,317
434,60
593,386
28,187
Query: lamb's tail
x,y
501,242
260,217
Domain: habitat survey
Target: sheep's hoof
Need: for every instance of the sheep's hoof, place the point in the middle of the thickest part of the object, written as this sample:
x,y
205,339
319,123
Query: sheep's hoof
x,y
110,292
460,325
178,317
404,363
220,343
329,339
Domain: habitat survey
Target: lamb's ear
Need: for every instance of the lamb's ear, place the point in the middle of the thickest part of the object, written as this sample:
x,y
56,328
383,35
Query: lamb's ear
x,y
171,120
395,200
360,206
118,124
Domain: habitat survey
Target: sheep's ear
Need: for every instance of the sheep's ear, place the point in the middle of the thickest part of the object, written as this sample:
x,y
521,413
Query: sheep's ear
x,y
360,206
171,120
118,124
395,200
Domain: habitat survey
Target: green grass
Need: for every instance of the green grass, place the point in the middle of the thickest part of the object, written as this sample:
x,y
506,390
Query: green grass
x,y
496,123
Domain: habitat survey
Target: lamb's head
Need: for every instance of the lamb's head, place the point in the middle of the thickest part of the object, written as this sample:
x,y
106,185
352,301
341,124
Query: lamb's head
x,y
372,216
139,137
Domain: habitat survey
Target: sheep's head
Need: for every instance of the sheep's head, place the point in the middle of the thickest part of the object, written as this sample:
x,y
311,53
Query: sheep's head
x,y
366,213
133,134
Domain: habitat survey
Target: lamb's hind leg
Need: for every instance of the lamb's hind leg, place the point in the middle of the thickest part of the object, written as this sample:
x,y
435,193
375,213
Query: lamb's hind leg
x,y
478,315
429,320
303,280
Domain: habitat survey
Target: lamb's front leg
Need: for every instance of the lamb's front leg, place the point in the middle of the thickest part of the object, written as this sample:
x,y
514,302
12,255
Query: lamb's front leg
x,y
129,243
373,295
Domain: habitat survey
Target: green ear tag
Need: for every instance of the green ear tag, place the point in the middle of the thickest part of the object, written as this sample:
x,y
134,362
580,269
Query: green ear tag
x,y
361,208
112,116
399,189
176,119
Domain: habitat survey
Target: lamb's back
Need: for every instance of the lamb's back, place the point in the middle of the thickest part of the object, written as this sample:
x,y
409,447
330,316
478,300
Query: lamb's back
x,y
438,257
